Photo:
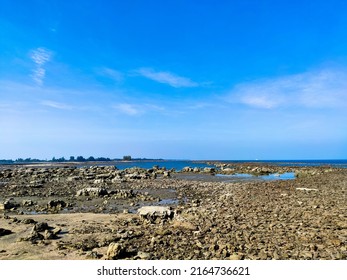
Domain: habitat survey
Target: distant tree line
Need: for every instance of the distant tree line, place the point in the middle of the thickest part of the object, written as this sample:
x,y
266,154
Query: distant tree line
x,y
127,158
54,159
70,159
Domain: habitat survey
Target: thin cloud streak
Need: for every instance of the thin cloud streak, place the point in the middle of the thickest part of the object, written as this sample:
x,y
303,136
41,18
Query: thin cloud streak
x,y
166,78
128,109
56,105
316,89
40,57
133,109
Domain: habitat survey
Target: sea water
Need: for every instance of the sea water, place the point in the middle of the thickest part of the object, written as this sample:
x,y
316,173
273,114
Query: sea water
x,y
178,165
269,177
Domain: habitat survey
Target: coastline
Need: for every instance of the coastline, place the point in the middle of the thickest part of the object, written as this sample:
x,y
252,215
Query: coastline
x,y
304,218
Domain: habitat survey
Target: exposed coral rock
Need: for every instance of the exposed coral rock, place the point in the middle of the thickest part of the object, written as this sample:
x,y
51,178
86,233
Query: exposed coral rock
x,y
153,213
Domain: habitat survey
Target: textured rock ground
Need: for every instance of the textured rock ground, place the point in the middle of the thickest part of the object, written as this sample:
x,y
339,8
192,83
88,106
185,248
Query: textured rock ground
x,y
91,213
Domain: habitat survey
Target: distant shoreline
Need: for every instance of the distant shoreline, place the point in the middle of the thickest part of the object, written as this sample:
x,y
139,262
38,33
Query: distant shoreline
x,y
173,163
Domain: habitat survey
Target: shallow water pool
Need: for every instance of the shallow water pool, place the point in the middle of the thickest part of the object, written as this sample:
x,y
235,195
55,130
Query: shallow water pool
x,y
246,176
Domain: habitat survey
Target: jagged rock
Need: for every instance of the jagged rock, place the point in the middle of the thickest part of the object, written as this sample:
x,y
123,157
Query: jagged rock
x,y
56,231
28,202
115,251
96,192
49,235
33,237
56,204
42,226
123,193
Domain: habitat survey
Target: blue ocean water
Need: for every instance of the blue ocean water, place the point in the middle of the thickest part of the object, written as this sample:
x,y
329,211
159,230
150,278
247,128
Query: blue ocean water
x,y
168,164
180,164
340,163
269,177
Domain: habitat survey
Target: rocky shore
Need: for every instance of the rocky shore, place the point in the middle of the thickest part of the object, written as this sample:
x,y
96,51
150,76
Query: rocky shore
x,y
99,212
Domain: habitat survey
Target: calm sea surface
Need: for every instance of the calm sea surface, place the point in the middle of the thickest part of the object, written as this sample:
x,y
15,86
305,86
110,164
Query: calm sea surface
x,y
180,164
168,164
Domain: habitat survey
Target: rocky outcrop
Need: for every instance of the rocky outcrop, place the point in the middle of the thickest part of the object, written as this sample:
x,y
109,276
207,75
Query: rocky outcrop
x,y
40,231
96,192
154,213
56,204
40,227
300,219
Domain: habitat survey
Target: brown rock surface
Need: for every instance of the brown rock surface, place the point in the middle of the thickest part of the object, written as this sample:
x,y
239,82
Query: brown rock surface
x,y
305,218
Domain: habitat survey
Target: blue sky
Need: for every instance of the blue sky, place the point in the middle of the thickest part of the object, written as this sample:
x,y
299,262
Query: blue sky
x,y
173,79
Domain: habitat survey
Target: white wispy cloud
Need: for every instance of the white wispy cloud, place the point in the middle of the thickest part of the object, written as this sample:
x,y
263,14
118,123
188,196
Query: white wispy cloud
x,y
56,105
314,89
111,73
40,57
38,75
166,78
134,109
128,109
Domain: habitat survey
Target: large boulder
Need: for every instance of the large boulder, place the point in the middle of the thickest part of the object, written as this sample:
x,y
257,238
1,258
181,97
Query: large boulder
x,y
152,213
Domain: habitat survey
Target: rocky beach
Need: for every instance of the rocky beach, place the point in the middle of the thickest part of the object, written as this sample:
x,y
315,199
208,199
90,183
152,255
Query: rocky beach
x,y
99,212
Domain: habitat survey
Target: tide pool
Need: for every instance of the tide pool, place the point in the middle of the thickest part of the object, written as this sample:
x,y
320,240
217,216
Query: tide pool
x,y
273,176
